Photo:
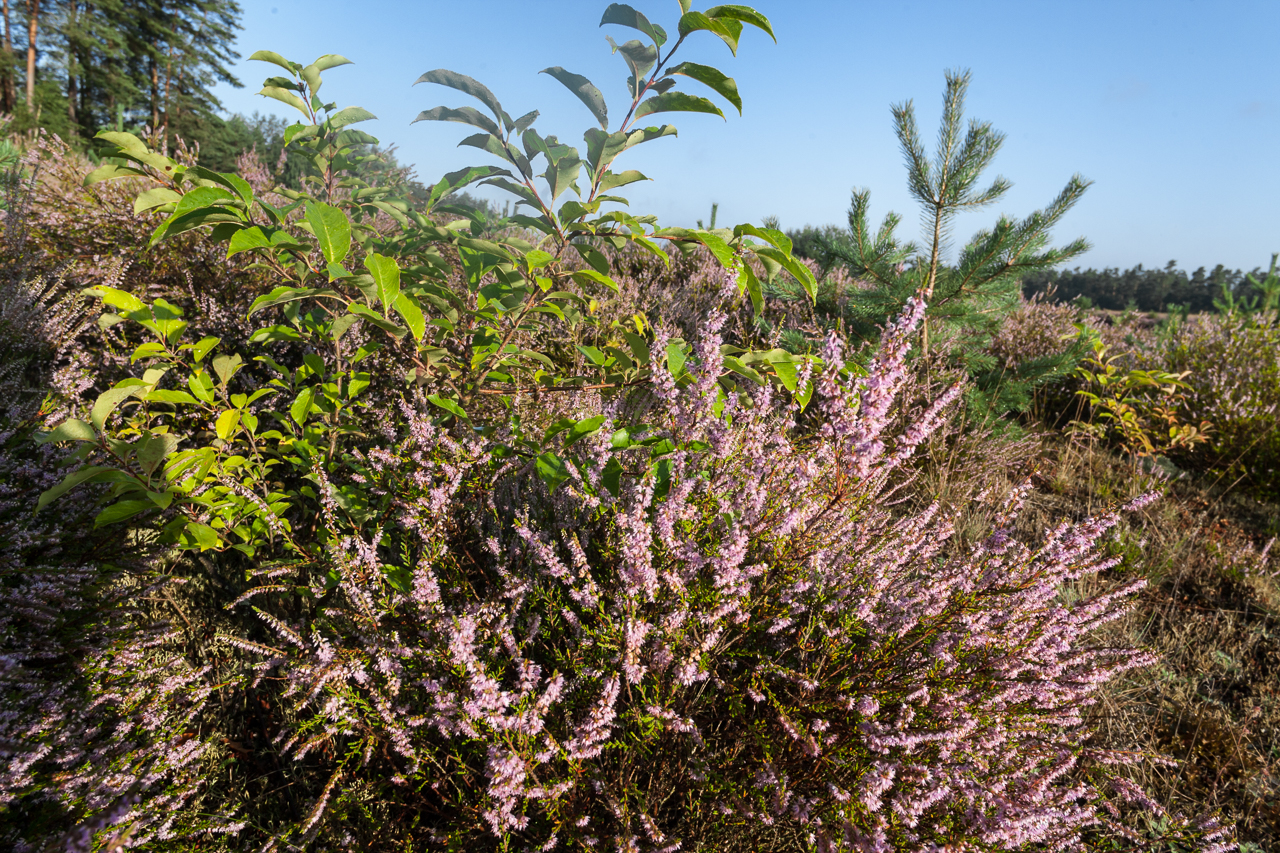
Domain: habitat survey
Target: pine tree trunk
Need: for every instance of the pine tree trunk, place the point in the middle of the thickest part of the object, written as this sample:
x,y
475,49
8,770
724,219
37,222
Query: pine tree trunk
x,y
155,94
33,23
73,86
168,78
8,97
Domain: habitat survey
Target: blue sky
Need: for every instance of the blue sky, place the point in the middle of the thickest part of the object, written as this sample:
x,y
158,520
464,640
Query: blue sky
x,y
1171,107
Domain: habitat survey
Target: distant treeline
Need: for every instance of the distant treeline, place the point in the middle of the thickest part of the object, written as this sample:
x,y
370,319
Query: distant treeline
x,y
1144,289
1141,288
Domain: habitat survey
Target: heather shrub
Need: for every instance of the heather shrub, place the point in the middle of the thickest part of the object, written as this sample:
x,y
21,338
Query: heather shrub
x,y
652,653
438,554
1232,362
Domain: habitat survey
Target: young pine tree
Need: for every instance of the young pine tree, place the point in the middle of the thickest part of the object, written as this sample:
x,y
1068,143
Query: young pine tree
x,y
968,300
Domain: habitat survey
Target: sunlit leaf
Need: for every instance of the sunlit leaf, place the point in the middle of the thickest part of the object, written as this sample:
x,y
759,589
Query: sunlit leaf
x,y
585,90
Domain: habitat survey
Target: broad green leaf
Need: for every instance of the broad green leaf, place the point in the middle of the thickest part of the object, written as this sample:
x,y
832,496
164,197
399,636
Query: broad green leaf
x,y
798,270
675,358
613,180
199,536
583,428
552,470
772,235
456,180
603,147
332,230
147,350
564,172
71,429
275,333
342,325
572,211
108,401
495,146
350,136
227,366
386,275
743,14
786,370
152,449
624,15
639,57
109,171
166,396
557,428
676,102
200,197
448,405
122,510
644,134
594,355
284,96
350,115
331,60
407,307
718,247
201,386
180,224
585,90
311,76
126,142
235,183
741,369
523,123
726,87
201,349
87,474
598,260
748,278
117,298
246,239
639,347
467,85
227,423
272,57
462,115
537,259
727,29
378,320
301,406
524,193
587,276
805,394
154,198
283,83
612,476
279,296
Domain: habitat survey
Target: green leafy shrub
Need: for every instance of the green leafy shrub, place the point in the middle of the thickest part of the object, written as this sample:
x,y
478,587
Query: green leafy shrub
x,y
1144,411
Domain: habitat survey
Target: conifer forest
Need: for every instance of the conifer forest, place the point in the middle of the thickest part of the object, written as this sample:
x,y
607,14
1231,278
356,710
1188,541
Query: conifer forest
x,y
344,509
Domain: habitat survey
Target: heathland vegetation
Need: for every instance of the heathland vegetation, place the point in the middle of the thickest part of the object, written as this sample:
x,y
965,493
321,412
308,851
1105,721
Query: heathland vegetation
x,y
340,511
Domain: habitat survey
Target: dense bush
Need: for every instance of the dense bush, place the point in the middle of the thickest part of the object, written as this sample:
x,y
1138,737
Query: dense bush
x,y
1233,370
